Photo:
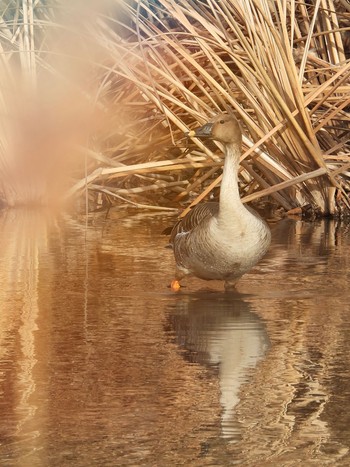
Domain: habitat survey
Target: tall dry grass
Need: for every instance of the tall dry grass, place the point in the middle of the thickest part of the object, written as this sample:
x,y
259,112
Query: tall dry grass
x,y
149,70
48,86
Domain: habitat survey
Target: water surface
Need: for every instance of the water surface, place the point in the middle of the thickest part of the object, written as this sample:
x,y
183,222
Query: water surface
x,y
101,364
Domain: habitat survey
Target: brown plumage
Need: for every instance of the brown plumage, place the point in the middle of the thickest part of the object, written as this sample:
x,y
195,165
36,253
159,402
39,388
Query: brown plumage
x,y
220,240
198,214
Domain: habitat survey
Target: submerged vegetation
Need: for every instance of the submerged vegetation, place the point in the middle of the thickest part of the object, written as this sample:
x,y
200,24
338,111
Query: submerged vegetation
x,y
96,99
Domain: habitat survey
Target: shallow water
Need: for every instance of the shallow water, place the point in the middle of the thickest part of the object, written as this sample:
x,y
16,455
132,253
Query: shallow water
x,y
101,364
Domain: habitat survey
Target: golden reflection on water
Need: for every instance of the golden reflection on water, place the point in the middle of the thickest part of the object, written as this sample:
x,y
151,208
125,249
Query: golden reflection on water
x,y
23,238
100,364
305,319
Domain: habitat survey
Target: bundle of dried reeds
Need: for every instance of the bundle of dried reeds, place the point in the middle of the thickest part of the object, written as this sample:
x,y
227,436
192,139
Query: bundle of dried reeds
x,y
164,66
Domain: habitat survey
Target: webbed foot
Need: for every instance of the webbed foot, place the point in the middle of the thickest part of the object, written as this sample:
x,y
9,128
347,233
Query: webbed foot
x,y
175,285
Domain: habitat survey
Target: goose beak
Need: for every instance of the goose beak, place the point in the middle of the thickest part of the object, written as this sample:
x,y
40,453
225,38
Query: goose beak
x,y
204,131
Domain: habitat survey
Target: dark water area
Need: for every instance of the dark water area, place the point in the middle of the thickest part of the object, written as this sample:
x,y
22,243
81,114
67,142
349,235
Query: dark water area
x,y
102,365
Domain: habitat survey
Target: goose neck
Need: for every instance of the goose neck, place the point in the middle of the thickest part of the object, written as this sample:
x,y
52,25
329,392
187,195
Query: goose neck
x,y
229,192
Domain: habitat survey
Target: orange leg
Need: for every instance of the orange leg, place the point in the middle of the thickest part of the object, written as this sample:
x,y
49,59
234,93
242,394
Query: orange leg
x,y
175,285
230,285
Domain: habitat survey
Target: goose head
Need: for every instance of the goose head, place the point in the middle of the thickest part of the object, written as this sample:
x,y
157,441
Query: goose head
x,y
223,128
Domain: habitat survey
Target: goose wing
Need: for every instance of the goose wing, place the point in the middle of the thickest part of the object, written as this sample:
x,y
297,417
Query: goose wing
x,y
193,218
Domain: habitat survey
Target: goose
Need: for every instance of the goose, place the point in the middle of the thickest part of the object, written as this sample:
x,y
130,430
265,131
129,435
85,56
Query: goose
x,y
220,240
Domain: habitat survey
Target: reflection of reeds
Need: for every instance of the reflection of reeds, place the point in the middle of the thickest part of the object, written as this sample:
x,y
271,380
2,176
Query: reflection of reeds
x,y
285,408
158,68
23,240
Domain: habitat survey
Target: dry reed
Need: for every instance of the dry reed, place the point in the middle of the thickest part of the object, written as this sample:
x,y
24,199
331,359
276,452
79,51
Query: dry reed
x,y
162,67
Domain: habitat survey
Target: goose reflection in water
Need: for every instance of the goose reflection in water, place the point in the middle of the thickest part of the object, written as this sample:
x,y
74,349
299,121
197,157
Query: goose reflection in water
x,y
219,330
